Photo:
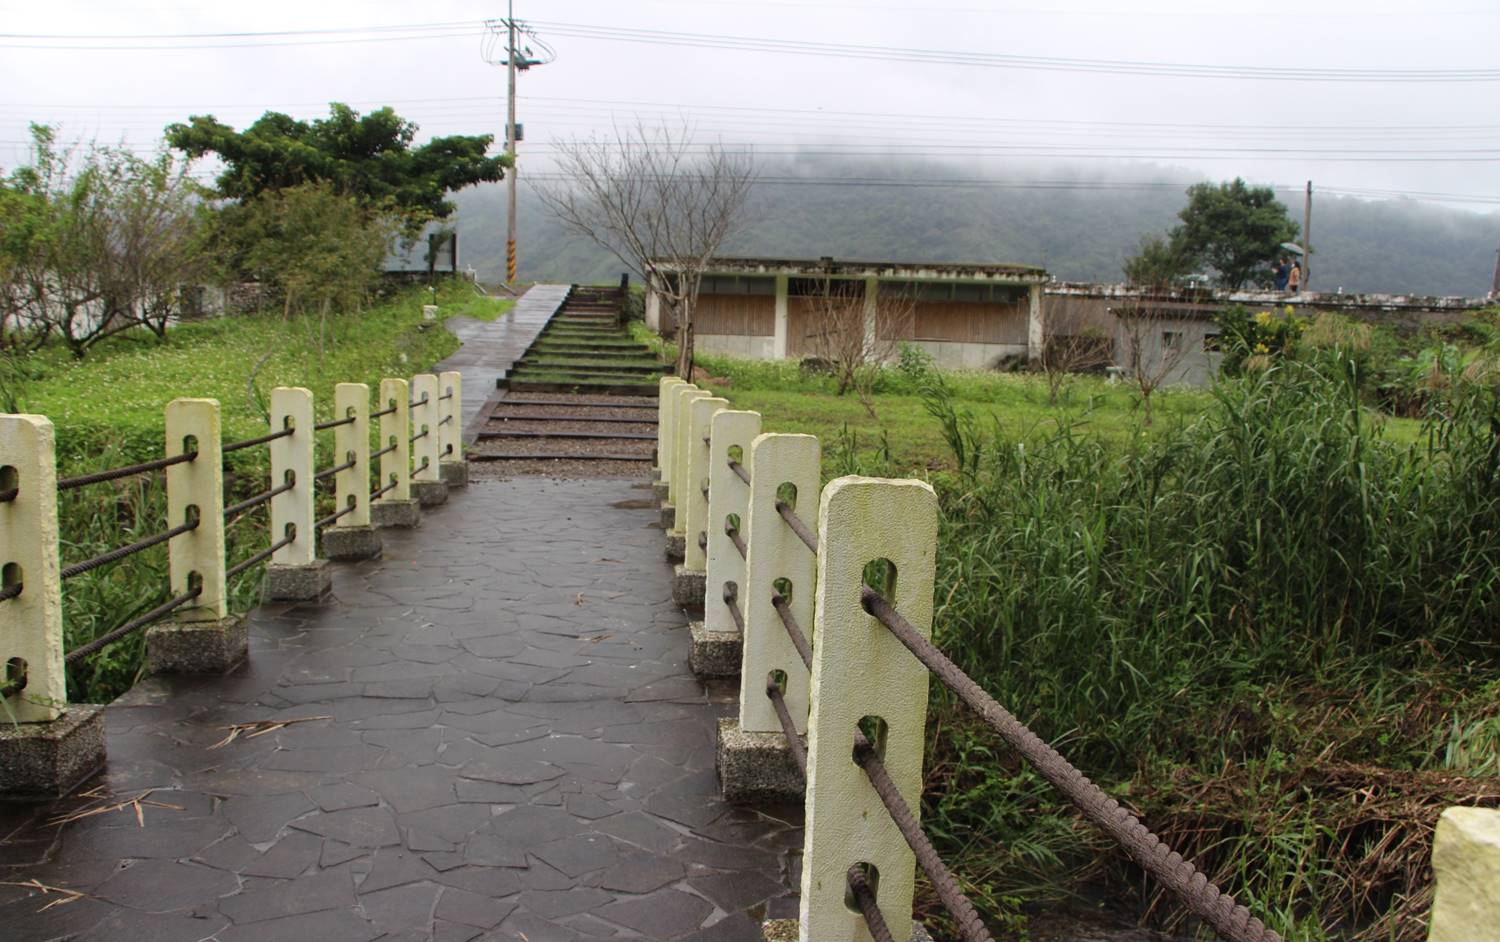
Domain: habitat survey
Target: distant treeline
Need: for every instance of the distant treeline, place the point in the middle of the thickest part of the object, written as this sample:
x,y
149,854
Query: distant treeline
x,y
1079,234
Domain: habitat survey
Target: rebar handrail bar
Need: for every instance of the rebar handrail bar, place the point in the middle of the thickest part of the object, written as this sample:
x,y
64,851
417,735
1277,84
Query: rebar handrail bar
x,y
104,559
389,410
802,530
385,451
739,470
970,926
98,477
1232,921
702,540
788,728
423,465
446,419
421,434
135,624
417,402
10,495
794,631
446,395
733,533
250,503
383,490
732,602
334,517
261,440
334,423
864,898
704,489
330,472
10,592
262,556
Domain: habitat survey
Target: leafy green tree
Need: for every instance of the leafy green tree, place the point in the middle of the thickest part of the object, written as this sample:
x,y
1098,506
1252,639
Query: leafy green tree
x,y
369,157
1159,262
1234,229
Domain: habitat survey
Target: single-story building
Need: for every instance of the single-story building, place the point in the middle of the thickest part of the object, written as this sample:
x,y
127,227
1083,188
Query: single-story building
x,y
970,316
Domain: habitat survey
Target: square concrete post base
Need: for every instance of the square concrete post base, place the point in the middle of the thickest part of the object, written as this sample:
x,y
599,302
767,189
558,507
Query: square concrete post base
x,y
395,513
755,767
676,547
668,516
714,653
309,583
786,930
349,543
454,473
688,587
197,647
46,760
430,493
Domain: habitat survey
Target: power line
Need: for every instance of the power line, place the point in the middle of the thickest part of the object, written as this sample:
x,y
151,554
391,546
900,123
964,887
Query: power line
x,y
1013,61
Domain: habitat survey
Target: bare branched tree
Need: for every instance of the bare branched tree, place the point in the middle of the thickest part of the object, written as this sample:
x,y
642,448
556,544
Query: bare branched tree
x,y
659,203
1152,346
855,334
1070,345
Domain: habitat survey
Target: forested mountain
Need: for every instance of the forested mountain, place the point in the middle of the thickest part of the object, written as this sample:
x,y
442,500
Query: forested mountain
x,y
1080,227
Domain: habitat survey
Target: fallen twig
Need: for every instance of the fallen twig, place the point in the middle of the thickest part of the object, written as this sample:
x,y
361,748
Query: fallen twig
x,y
260,728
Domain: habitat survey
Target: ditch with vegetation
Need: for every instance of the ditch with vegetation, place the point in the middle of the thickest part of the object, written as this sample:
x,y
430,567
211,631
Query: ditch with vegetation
x,y
1265,622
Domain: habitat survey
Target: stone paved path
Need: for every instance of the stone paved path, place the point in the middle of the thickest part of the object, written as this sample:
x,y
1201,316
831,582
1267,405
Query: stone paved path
x,y
490,347
502,741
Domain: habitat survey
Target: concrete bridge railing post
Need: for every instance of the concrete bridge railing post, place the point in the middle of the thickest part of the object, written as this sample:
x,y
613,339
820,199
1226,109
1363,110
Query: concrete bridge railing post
x,y
46,745
427,484
1466,861
715,647
661,468
451,465
865,683
674,513
692,506
294,572
201,636
352,537
395,507
754,759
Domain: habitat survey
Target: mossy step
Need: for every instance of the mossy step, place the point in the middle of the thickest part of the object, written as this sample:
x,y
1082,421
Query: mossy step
x,y
584,353
629,366
592,387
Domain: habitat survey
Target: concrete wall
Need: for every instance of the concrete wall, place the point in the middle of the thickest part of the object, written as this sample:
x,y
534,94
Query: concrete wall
x,y
744,346
1194,366
952,355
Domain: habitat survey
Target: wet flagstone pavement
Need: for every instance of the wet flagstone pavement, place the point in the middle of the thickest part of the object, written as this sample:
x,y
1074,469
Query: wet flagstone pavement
x,y
507,744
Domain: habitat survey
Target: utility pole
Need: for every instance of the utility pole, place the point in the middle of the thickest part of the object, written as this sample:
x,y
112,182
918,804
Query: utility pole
x,y
1307,238
510,141
1495,281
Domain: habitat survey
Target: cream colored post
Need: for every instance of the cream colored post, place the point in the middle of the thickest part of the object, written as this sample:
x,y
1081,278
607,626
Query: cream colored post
x,y
352,441
292,462
686,395
776,553
732,434
860,670
395,465
424,417
451,416
1466,862
700,421
31,629
677,395
664,426
195,489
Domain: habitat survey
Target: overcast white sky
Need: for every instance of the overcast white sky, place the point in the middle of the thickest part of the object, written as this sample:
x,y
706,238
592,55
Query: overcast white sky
x,y
1427,137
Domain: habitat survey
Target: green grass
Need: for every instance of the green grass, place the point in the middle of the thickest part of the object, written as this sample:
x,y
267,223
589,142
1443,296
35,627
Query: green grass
x,y
107,411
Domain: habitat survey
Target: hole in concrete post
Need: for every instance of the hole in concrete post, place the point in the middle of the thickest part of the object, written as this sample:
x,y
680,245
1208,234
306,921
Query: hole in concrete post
x,y
10,478
189,444
732,522
783,587
349,456
290,532
10,574
16,675
191,515
195,581
880,575
736,454
289,476
776,679
872,877
787,494
286,422
875,729
348,412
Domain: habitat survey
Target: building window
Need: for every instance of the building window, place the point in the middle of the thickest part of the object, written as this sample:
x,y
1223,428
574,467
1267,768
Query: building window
x,y
1211,343
1171,339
